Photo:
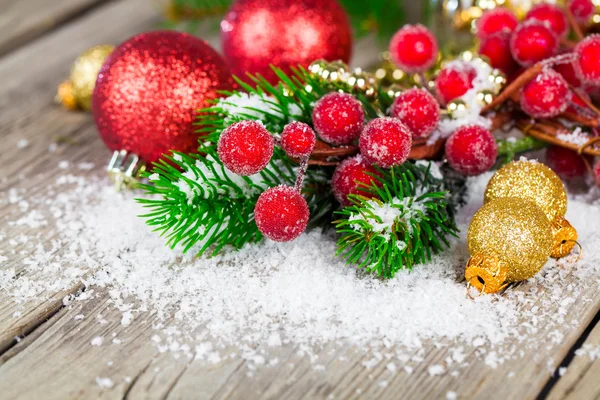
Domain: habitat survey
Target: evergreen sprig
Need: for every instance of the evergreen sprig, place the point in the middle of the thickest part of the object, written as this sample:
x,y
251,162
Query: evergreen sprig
x,y
403,218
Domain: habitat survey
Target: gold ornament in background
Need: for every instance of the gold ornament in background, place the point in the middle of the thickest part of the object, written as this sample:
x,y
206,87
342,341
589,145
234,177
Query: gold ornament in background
x,y
339,76
509,240
388,73
77,91
564,237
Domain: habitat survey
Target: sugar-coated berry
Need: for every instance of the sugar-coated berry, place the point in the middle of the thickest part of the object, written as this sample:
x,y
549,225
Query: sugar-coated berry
x,y
414,48
245,147
588,63
454,80
567,70
496,48
281,213
351,175
471,150
565,162
551,15
496,20
545,96
385,142
533,41
582,10
338,118
298,139
418,110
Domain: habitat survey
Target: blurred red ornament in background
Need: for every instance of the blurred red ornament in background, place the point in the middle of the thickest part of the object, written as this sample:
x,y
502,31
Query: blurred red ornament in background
x,y
285,33
149,90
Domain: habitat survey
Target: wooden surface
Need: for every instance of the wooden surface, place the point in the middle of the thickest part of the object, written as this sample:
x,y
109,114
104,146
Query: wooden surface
x,y
45,352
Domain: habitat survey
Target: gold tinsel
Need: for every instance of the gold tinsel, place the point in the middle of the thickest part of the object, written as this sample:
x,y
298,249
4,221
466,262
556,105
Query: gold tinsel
x,y
510,240
77,91
564,237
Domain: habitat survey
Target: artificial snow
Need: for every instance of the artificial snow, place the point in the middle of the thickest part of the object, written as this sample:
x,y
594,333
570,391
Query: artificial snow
x,y
294,294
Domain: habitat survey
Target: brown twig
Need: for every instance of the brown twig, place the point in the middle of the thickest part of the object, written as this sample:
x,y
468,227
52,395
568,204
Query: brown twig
x,y
574,25
547,133
580,119
585,99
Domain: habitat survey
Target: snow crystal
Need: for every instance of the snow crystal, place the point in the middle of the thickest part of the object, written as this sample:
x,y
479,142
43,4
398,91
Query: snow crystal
x,y
435,370
97,341
451,395
104,383
577,137
22,143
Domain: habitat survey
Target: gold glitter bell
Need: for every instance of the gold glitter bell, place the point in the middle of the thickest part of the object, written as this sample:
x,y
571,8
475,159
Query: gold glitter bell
x,y
510,240
77,91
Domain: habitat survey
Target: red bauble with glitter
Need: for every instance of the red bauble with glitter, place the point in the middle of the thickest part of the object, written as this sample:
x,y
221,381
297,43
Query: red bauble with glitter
x,y
285,33
533,41
546,96
149,90
471,150
281,213
418,110
385,142
352,174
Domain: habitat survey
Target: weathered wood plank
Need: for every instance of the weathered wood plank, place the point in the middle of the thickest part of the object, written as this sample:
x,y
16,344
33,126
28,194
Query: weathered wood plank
x,y
24,20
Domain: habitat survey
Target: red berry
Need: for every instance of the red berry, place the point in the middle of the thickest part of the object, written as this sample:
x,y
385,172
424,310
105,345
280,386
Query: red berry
x,y
496,48
582,10
453,81
566,163
577,105
349,176
418,110
533,41
597,172
245,148
298,139
338,118
496,20
471,150
567,70
385,142
281,213
588,63
546,96
414,48
552,16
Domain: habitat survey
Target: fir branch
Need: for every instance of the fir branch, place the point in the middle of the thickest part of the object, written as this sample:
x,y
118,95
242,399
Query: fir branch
x,y
401,220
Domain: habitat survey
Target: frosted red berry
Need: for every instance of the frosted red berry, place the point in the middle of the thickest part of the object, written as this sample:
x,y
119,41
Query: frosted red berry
x,y
545,96
588,63
582,10
533,41
245,148
338,118
453,81
418,110
471,150
597,172
298,139
567,70
281,213
352,174
496,48
578,105
496,20
566,163
551,15
414,48
385,142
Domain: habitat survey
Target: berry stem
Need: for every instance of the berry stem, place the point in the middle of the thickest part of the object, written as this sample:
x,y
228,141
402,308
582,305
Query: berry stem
x,y
574,25
580,119
301,174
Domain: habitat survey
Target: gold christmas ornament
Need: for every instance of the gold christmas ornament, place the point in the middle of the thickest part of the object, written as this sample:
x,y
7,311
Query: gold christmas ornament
x,y
83,78
509,240
564,237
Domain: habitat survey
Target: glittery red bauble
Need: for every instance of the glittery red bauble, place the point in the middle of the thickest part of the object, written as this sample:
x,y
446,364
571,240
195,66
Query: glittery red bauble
x,y
546,96
414,48
588,63
533,41
338,118
496,20
552,16
285,33
385,142
149,90
471,150
281,213
565,162
418,110
352,174
245,148
298,139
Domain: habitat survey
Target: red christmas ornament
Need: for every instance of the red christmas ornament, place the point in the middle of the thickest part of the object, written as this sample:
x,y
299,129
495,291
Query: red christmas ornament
x,y
385,142
245,148
453,81
496,20
350,175
546,96
414,48
567,70
533,41
149,90
496,48
281,213
285,33
338,118
566,163
552,16
418,110
471,150
298,139
588,63
582,10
